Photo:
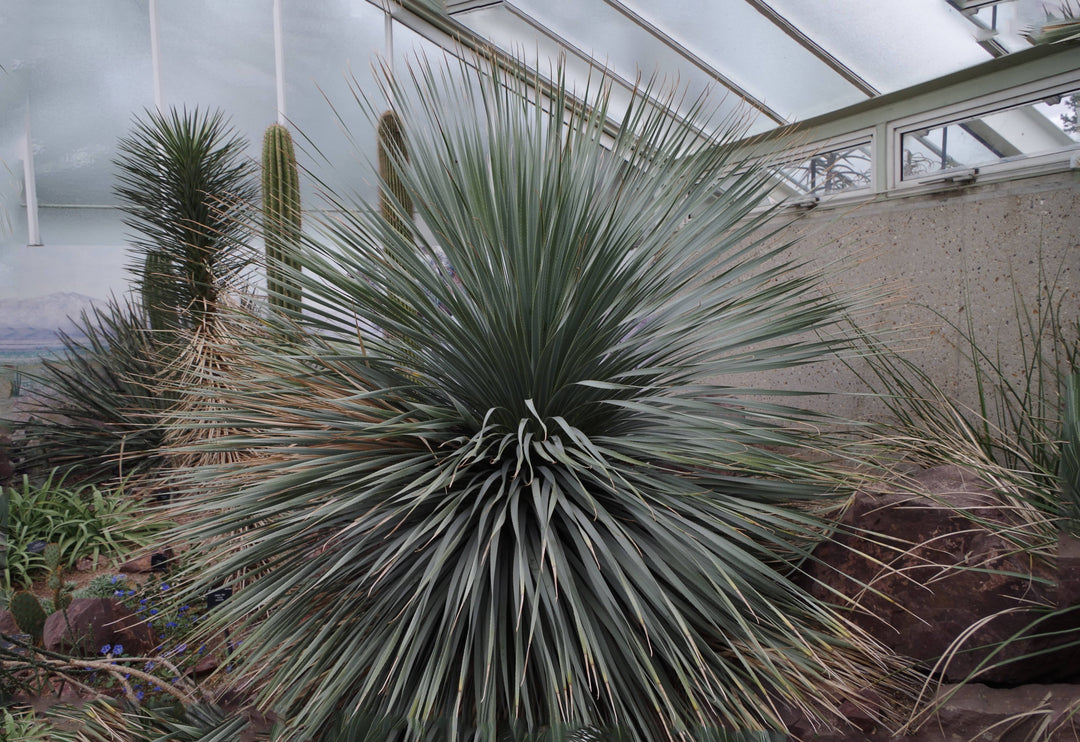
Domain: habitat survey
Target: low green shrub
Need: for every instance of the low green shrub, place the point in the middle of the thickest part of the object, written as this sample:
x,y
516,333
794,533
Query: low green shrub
x,y
83,521
22,725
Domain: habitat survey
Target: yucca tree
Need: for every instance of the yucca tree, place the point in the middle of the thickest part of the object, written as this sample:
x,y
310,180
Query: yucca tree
x,y
497,484
186,186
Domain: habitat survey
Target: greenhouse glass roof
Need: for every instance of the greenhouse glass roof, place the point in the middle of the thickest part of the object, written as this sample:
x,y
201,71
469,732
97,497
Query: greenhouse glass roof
x,y
73,75
788,60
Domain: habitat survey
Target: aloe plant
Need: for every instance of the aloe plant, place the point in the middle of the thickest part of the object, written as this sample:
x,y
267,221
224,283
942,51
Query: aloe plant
x,y
522,497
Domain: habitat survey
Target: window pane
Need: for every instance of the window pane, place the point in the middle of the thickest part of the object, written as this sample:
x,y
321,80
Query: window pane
x,y
1001,136
832,172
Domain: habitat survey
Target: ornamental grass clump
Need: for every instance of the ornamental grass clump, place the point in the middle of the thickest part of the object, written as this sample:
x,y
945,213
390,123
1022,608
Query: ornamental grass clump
x,y
495,483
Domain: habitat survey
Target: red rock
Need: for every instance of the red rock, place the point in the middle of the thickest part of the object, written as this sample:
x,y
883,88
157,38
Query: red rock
x,y
144,562
973,713
91,623
922,575
1068,570
205,666
137,565
7,623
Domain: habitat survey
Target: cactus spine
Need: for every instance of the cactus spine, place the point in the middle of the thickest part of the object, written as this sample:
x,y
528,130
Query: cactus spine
x,y
281,217
28,614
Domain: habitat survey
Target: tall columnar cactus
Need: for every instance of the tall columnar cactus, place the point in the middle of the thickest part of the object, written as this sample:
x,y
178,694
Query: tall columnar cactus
x,y
281,217
392,152
395,203
157,271
54,563
1069,468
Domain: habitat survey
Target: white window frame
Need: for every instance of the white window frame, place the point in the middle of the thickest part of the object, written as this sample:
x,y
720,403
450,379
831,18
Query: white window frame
x,y
975,107
862,137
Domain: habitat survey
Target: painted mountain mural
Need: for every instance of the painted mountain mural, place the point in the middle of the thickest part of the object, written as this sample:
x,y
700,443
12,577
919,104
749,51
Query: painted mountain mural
x,y
28,327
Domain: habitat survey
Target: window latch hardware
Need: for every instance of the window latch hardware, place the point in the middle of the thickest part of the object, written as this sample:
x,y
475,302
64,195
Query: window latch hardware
x,y
805,203
956,177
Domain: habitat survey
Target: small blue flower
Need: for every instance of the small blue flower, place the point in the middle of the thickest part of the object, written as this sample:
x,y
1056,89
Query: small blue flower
x,y
153,611
106,649
115,579
139,695
181,648
164,586
148,666
118,649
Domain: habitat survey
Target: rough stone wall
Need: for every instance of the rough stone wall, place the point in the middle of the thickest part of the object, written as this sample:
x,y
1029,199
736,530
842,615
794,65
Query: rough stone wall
x,y
963,254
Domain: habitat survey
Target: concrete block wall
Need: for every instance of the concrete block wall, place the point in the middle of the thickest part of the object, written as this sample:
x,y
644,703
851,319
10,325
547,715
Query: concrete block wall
x,y
953,256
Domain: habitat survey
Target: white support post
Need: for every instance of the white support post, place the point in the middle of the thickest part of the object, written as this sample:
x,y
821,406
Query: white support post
x,y
155,55
388,33
279,62
33,229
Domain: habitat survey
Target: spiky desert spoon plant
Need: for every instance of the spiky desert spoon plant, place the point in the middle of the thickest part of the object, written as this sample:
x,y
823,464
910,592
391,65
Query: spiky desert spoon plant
x,y
522,497
97,409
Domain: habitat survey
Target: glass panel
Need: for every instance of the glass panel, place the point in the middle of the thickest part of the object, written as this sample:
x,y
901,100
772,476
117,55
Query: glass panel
x,y
832,172
85,254
890,43
636,53
84,67
746,47
1001,136
220,55
1005,23
327,44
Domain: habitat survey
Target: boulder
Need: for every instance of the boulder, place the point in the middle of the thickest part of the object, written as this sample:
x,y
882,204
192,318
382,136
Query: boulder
x,y
7,624
1068,570
918,575
148,562
89,624
973,713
